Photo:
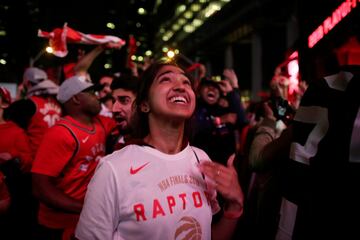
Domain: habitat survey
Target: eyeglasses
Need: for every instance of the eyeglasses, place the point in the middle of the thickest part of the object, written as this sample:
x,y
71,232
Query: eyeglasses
x,y
89,90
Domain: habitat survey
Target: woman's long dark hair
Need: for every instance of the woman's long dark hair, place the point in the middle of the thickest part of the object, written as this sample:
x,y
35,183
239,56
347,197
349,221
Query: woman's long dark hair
x,y
140,119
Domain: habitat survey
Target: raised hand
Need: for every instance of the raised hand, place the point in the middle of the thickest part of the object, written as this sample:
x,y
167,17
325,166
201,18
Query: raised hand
x,y
225,86
226,183
231,76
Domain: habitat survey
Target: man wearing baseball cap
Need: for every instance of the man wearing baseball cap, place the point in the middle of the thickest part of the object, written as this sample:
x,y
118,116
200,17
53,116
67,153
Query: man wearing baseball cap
x,y
38,82
41,92
67,158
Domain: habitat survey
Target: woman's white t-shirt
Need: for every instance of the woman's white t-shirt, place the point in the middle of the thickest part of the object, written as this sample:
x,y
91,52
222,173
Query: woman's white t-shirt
x,y
139,192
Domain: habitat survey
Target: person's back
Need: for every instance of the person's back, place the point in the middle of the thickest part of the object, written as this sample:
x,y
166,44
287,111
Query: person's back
x,y
41,92
48,111
16,144
322,175
15,164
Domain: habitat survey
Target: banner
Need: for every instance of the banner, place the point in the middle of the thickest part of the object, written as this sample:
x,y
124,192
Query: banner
x,y
59,38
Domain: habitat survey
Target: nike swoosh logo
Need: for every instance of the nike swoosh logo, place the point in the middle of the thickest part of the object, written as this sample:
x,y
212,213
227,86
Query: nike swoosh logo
x,y
136,170
85,139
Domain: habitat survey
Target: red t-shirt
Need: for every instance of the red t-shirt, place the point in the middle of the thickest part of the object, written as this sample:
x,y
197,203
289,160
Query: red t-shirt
x,y
70,152
14,140
48,112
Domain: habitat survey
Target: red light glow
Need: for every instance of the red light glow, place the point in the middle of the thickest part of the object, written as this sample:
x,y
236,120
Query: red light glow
x,y
330,22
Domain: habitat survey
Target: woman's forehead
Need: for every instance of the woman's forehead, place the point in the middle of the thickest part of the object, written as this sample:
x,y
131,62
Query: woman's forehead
x,y
169,69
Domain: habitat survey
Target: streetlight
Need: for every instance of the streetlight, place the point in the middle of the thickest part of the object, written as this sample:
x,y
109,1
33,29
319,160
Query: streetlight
x,y
40,53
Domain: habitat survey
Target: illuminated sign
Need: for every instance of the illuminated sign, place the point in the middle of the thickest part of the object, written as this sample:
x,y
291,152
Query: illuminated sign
x,y
330,22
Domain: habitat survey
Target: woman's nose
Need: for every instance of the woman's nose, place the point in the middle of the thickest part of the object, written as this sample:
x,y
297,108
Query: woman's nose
x,y
179,86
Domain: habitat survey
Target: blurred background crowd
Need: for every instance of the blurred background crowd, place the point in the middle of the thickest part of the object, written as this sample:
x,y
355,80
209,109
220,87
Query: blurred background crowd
x,y
251,63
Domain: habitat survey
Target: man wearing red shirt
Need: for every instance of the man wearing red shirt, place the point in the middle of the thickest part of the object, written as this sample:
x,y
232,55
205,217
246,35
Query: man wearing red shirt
x,y
16,144
41,92
15,164
67,158
5,100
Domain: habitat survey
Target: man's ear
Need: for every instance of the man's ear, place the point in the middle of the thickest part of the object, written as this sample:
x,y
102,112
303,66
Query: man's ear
x,y
75,99
145,107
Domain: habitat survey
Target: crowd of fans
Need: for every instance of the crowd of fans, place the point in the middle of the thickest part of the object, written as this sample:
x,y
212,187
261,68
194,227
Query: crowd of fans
x,y
56,138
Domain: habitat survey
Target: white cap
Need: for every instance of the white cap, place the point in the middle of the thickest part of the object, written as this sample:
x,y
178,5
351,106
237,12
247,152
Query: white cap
x,y
34,75
40,82
72,86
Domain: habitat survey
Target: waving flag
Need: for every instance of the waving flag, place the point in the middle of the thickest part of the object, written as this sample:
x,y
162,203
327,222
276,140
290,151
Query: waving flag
x,y
131,51
59,38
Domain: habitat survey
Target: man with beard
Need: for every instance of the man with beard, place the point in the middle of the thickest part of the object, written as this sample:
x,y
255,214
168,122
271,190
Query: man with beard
x,y
124,90
67,158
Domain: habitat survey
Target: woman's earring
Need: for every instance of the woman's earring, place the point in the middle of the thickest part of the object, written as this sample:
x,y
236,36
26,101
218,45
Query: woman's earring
x,y
145,108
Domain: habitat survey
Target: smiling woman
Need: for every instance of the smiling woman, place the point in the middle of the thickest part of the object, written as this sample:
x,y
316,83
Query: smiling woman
x,y
157,187
172,94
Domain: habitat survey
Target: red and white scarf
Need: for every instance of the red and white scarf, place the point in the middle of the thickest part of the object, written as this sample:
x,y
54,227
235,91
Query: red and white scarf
x,y
59,38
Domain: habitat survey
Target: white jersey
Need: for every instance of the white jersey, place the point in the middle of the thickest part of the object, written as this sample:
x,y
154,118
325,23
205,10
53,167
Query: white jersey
x,y
139,192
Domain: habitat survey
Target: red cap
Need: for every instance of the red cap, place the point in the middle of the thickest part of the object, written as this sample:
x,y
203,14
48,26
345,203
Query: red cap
x,y
5,95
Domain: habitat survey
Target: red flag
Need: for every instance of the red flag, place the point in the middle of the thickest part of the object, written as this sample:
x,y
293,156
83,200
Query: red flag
x,y
131,51
59,38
